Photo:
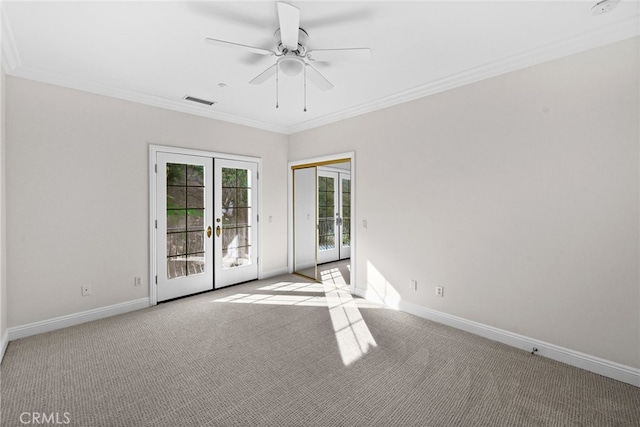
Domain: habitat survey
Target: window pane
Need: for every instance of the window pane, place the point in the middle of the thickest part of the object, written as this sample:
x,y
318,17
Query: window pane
x,y
176,244
176,267
195,263
243,216
242,177
176,174
228,198
243,236
236,257
242,197
195,242
346,232
228,177
176,197
229,218
330,212
176,220
322,198
195,219
195,175
195,197
230,238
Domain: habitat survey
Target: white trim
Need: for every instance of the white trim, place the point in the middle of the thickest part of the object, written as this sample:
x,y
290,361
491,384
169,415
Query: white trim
x,y
574,358
49,325
179,105
154,149
4,342
351,155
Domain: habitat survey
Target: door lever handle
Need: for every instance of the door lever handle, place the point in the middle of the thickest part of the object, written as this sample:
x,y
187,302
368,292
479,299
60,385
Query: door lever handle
x,y
218,231
209,231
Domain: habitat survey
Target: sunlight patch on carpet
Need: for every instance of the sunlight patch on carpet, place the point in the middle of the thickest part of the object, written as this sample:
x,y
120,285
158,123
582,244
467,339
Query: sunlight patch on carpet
x,y
352,334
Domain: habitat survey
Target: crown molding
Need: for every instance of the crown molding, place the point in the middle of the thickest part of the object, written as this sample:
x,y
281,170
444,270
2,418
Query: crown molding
x,y
601,37
137,97
10,58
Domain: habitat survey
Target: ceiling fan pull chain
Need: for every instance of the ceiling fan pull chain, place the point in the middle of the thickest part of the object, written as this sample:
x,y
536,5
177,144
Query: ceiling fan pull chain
x,y
305,88
277,90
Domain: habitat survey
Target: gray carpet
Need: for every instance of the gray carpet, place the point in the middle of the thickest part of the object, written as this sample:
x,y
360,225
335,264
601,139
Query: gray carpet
x,y
285,352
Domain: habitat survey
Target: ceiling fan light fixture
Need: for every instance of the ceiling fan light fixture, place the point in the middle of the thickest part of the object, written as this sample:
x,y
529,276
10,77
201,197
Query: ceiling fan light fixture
x,y
290,65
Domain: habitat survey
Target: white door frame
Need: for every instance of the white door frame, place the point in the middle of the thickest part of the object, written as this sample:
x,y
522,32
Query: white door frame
x,y
329,158
153,150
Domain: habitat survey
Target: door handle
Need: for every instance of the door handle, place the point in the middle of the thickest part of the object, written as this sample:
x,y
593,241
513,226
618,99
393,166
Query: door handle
x,y
209,231
218,231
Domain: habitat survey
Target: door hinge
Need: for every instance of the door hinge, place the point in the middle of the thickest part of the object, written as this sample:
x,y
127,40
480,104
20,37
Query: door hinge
x,y
156,223
257,218
257,175
156,280
156,168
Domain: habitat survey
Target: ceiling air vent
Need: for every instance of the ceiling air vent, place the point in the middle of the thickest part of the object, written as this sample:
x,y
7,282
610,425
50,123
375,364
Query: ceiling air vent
x,y
198,100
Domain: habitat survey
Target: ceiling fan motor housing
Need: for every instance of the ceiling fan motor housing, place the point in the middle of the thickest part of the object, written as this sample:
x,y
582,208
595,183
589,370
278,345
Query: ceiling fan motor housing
x,y
303,39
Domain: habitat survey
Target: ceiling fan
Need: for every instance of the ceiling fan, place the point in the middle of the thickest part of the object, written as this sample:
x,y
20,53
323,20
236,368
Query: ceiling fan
x,y
292,54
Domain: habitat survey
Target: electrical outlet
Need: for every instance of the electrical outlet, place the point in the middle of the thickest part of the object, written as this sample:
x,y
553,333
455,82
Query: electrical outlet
x,y
137,281
440,291
86,290
414,284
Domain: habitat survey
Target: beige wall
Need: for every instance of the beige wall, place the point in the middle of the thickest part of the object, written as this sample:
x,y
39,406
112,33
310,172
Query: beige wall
x,y
77,203
518,194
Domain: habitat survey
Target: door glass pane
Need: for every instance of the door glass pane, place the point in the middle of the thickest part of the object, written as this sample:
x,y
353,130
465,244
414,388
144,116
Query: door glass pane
x,y
176,244
236,217
195,219
346,212
326,212
185,211
195,197
195,264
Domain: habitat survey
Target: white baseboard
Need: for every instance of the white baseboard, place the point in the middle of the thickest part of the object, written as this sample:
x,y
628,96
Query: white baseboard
x,y
587,362
4,342
48,325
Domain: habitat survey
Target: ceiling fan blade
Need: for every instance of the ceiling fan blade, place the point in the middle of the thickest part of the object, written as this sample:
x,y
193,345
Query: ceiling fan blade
x,y
318,79
264,76
346,54
289,17
252,49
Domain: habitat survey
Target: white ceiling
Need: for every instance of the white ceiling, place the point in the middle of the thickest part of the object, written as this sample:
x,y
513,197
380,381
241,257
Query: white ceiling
x,y
154,52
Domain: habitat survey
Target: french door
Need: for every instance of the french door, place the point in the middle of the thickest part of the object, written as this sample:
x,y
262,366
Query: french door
x,y
344,229
206,231
236,222
334,216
